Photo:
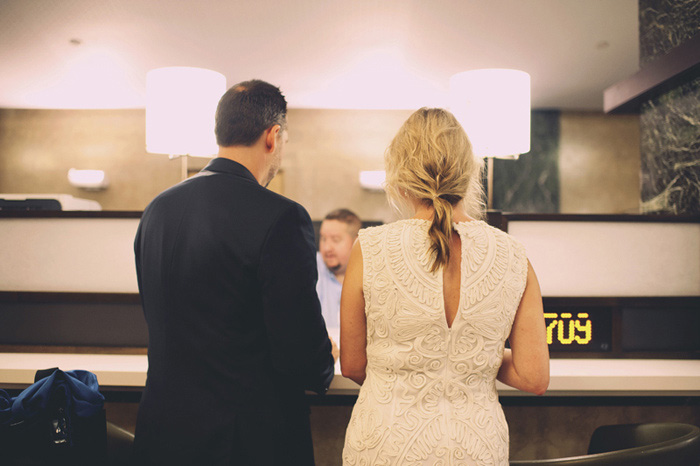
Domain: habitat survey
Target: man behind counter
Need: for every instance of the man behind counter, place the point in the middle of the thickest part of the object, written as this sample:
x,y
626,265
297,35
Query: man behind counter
x,y
336,237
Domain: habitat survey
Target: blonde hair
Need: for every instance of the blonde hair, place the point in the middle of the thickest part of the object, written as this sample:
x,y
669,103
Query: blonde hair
x,y
431,159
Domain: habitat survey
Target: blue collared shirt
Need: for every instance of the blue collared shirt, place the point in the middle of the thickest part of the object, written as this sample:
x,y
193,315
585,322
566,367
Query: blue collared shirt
x,y
328,289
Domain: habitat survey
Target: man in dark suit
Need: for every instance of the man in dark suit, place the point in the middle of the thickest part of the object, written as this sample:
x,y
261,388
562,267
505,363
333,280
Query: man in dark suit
x,y
227,275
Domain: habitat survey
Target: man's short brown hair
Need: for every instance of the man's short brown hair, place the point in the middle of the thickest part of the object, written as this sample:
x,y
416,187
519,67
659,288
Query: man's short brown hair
x,y
348,217
246,110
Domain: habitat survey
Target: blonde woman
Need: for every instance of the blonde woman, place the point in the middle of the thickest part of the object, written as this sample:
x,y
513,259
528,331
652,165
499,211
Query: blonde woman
x,y
427,305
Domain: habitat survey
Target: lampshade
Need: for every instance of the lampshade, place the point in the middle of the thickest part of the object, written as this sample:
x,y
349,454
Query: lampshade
x,y
180,106
493,106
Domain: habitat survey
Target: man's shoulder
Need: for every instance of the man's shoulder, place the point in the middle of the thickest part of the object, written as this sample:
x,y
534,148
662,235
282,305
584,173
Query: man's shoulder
x,y
166,197
280,213
225,185
279,208
277,199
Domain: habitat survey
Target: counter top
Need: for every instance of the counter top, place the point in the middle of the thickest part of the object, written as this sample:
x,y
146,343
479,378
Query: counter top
x,y
568,377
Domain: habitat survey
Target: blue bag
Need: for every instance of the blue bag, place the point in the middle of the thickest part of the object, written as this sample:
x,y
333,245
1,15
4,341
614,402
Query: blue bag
x,y
59,419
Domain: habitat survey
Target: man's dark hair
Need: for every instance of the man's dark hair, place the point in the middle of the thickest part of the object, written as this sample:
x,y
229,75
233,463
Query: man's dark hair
x,y
246,110
348,217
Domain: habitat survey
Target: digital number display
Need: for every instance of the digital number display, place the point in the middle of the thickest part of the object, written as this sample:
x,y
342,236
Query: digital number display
x,y
578,330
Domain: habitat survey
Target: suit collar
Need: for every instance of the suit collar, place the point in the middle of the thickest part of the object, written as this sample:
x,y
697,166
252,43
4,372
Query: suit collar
x,y
224,165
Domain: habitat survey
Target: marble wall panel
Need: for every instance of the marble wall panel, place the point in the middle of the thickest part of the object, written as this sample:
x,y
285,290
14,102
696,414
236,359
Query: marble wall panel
x,y
670,151
531,183
670,123
665,24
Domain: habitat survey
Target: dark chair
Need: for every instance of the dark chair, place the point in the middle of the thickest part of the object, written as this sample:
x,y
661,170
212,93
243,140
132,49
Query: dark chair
x,y
119,445
666,444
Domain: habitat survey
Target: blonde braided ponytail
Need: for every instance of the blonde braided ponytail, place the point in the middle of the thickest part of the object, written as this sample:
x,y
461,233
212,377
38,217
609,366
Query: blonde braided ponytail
x,y
430,159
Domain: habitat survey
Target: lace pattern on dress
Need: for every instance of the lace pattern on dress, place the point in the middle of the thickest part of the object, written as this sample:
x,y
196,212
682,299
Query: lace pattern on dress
x,y
430,395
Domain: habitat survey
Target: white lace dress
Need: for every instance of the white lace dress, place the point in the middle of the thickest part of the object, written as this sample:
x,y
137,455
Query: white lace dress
x,y
430,396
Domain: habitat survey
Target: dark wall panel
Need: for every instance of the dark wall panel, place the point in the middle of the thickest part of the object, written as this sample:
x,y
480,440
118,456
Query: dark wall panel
x,y
72,324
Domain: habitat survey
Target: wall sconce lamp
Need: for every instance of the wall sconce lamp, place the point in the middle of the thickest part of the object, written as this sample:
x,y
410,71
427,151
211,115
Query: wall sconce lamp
x,y
89,180
180,107
493,107
373,180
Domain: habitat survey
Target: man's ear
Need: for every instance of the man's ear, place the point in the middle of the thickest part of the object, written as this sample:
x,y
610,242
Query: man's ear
x,y
271,137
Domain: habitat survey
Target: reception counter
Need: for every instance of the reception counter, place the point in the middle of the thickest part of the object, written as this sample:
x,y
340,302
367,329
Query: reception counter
x,y
69,299
569,377
636,277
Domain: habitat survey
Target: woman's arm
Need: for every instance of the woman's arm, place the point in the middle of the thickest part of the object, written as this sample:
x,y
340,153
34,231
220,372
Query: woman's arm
x,y
525,365
353,323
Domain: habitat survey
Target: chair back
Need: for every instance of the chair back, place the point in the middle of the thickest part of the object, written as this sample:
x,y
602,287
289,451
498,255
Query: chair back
x,y
650,444
120,442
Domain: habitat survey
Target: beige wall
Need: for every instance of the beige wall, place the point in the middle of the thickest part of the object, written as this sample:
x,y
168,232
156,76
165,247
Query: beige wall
x,y
327,150
38,147
599,158
599,163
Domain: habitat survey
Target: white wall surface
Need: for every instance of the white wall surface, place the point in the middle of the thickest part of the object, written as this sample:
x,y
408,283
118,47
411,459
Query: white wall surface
x,y
570,258
612,258
69,255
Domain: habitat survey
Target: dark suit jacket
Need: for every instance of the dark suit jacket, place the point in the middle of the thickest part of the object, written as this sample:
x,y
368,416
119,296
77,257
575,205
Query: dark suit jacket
x,y
227,275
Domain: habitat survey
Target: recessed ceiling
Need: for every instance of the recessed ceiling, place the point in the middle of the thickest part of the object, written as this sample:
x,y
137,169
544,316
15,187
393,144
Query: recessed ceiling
x,y
375,54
